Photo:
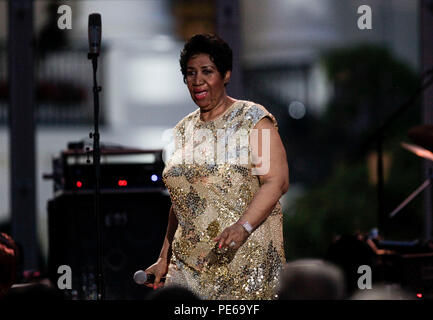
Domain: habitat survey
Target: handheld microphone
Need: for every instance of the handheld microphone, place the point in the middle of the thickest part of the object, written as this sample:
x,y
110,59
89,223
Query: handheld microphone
x,y
141,277
94,34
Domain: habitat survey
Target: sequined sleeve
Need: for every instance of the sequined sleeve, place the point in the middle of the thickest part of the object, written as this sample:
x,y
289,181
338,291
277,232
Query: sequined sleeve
x,y
179,129
256,113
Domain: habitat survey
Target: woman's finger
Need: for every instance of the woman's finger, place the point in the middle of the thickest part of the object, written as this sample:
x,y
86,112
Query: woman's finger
x,y
228,241
221,238
156,282
148,271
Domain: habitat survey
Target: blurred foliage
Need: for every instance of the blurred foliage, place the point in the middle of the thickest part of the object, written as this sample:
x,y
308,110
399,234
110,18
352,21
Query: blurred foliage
x,y
336,207
369,85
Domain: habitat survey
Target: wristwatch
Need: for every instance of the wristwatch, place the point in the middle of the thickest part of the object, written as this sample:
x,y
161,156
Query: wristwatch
x,y
246,226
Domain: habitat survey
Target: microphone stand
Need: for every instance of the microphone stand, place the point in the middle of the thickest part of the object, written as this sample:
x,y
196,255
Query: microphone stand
x,y
96,164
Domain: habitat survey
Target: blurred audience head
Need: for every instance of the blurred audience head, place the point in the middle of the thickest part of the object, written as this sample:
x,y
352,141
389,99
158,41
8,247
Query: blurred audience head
x,y
311,279
38,291
8,263
383,292
349,252
172,293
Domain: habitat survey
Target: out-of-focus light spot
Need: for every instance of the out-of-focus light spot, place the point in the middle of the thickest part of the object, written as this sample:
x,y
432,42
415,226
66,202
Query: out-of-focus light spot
x,y
297,110
419,295
79,184
122,183
154,177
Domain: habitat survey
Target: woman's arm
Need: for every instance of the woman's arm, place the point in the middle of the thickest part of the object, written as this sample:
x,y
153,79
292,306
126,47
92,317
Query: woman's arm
x,y
273,174
274,182
160,267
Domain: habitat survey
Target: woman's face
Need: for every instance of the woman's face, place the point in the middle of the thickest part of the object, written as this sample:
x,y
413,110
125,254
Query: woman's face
x,y
205,83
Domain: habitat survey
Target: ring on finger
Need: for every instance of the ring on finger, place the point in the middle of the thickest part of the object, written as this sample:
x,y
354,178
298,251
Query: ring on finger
x,y
232,244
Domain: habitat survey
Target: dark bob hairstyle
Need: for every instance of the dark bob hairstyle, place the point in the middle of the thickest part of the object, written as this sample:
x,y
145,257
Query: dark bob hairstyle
x,y
218,50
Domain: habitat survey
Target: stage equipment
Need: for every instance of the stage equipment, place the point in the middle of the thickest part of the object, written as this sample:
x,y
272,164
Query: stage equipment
x,y
134,225
423,137
134,217
409,264
121,169
417,150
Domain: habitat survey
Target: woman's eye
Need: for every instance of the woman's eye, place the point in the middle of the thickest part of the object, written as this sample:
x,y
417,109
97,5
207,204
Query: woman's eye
x,y
190,73
207,71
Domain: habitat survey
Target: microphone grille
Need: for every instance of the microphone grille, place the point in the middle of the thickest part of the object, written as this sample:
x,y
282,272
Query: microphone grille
x,y
95,19
140,277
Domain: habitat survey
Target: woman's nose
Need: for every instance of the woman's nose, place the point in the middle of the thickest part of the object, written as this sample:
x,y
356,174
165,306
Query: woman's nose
x,y
197,80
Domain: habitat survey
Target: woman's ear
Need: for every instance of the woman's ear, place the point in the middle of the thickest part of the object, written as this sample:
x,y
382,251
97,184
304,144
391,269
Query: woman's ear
x,y
227,77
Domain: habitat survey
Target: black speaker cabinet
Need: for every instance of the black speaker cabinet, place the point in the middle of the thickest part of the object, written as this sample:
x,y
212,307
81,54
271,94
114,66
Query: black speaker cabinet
x,y
417,273
134,225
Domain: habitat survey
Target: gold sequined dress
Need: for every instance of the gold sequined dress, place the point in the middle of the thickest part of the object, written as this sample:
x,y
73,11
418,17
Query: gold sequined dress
x,y
210,195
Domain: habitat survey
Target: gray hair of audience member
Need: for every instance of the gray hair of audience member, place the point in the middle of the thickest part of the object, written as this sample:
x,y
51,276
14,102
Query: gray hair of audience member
x,y
311,279
383,292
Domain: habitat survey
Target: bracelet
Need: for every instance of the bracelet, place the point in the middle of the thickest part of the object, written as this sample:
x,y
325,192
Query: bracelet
x,y
247,226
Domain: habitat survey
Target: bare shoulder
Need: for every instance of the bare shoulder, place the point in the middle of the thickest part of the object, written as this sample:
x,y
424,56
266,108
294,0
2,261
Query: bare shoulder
x,y
265,123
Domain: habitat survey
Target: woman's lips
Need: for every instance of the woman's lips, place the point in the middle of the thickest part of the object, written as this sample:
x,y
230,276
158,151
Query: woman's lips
x,y
200,95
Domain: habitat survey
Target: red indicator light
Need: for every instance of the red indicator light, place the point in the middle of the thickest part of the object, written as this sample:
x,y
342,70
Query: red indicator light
x,y
419,295
122,183
79,184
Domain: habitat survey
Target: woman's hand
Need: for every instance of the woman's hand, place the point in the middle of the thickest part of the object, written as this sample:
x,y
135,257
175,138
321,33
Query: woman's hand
x,y
159,269
232,237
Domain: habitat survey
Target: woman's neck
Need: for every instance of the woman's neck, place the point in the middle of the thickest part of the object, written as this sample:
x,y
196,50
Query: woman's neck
x,y
215,112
